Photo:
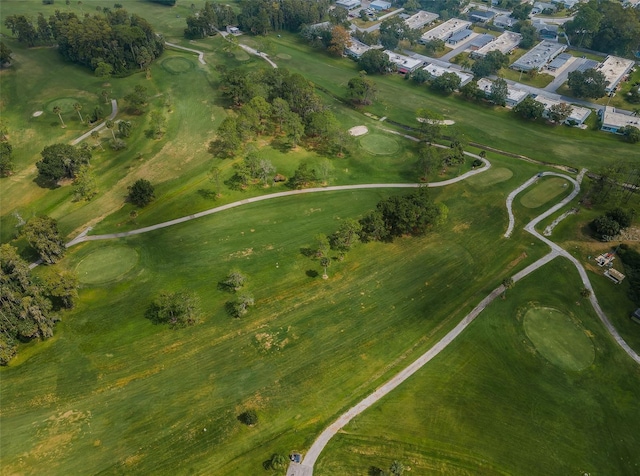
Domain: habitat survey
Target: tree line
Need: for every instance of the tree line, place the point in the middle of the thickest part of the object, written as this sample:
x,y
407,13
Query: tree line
x,y
113,42
262,16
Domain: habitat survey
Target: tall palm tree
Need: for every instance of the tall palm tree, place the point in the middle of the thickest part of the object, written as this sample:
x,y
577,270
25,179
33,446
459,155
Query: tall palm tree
x,y
77,107
110,125
96,136
57,110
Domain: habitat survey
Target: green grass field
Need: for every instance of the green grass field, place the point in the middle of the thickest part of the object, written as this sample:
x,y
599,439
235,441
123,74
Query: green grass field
x,y
112,393
491,404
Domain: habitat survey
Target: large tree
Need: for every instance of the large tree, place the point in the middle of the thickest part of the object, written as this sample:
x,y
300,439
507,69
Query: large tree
x,y
5,54
590,83
529,108
361,90
375,61
44,237
447,83
6,161
141,193
61,161
178,309
340,39
490,64
499,92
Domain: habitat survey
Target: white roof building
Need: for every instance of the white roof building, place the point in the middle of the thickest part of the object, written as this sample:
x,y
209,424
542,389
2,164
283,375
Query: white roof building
x,y
614,70
348,4
436,71
356,49
420,19
505,43
514,95
578,114
404,64
613,121
445,30
539,56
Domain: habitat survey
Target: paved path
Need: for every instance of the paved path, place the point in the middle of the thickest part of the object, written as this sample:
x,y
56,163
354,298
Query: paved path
x,y
248,49
114,111
199,53
562,76
85,237
306,467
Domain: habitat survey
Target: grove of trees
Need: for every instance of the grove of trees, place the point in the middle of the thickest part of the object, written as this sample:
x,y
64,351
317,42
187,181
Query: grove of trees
x,y
115,41
60,161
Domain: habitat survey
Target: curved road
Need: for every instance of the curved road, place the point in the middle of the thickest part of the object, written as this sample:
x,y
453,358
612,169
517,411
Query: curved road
x,y
178,47
114,111
306,467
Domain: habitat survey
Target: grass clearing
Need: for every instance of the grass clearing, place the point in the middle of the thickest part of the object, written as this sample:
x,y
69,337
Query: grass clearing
x,y
379,144
558,338
106,264
492,176
543,192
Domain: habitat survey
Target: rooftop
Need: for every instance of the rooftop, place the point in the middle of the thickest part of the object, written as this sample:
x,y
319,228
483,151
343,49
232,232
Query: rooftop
x,y
446,29
578,114
437,71
404,62
614,70
484,14
559,61
539,56
612,118
357,48
514,95
505,43
421,19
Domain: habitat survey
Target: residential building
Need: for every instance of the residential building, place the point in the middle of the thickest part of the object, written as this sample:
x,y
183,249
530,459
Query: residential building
x,y
348,4
613,121
480,40
540,7
356,49
614,275
514,95
568,4
404,64
481,16
578,114
539,56
559,61
615,69
421,19
436,71
380,5
505,21
505,43
546,30
460,36
445,30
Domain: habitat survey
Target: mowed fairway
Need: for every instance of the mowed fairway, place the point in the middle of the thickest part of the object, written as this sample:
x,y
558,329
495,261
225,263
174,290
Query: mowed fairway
x,y
557,338
491,404
125,395
543,192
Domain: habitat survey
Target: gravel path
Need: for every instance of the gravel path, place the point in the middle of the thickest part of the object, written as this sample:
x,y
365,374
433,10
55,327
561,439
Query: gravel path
x,y
199,53
114,111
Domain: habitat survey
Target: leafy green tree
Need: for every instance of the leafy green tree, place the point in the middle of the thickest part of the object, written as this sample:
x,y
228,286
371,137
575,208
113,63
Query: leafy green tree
x,y
340,39
137,99
507,283
158,125
248,417
499,92
623,217
430,124
447,83
322,245
103,70
428,160
227,142
235,280
6,161
26,312
84,185
374,227
588,84
361,90
141,193
95,135
61,287
528,32
347,235
293,128
521,12
325,263
241,305
78,107
434,46
396,468
22,28
529,108
124,128
375,61
61,161
44,237
178,309
560,112
631,134
5,54
585,293
109,124
58,111
304,176
277,460
490,64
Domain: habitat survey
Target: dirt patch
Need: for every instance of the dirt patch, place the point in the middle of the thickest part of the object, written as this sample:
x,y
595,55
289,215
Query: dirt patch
x,y
358,131
242,253
460,227
517,260
445,122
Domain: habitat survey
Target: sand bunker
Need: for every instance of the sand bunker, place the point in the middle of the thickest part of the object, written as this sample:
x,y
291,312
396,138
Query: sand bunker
x,y
37,113
358,131
446,122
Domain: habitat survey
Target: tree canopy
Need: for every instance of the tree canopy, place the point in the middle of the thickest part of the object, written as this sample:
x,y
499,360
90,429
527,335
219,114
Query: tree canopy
x,y
375,61
122,41
590,83
43,236
141,193
61,161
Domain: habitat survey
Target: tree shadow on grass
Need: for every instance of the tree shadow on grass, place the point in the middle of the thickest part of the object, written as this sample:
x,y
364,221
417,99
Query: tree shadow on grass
x,y
312,273
307,252
207,194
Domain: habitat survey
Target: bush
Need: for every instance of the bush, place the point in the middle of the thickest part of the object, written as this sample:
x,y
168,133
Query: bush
x,y
180,309
141,193
249,417
117,144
